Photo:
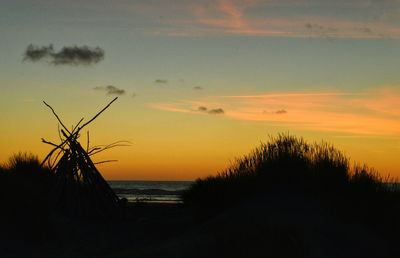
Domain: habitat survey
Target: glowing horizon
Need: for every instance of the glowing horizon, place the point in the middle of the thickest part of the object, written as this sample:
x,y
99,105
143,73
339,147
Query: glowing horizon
x,y
202,82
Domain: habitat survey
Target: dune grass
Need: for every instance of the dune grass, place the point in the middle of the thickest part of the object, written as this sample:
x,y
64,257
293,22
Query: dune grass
x,y
26,168
317,172
288,163
24,193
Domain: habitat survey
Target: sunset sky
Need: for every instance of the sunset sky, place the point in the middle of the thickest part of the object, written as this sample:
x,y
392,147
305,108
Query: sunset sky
x,y
201,82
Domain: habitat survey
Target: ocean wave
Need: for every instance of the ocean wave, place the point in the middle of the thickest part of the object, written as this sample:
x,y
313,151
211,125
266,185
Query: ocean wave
x,y
150,191
154,191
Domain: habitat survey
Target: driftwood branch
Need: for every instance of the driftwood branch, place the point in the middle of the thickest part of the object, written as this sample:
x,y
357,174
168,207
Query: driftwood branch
x,y
52,144
67,140
52,151
87,144
55,114
76,126
99,149
55,159
105,161
80,190
71,136
59,132
88,122
92,150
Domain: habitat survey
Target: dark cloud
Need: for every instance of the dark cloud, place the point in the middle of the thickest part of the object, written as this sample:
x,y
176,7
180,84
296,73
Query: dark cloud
x,y
78,55
36,53
161,81
111,90
281,111
277,112
72,55
215,111
197,88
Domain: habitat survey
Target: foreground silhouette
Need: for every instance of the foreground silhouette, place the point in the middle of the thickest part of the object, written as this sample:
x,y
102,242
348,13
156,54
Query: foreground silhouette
x,y
80,190
300,200
288,198
288,163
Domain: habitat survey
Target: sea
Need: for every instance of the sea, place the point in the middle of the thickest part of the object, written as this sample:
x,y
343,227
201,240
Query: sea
x,y
150,191
165,191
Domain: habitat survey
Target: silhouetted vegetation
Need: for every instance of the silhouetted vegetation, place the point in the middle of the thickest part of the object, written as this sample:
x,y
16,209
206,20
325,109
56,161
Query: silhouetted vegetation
x,y
291,164
25,190
289,172
287,198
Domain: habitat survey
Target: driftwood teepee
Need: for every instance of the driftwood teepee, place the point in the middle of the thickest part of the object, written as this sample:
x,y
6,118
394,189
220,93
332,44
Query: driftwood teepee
x,y
79,190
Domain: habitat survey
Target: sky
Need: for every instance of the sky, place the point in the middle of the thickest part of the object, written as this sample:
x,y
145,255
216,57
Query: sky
x,y
201,83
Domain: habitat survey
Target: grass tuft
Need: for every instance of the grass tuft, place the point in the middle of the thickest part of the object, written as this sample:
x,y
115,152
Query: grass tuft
x,y
287,163
24,194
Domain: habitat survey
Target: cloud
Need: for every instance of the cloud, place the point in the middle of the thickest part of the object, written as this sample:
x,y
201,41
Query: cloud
x,y
35,53
197,88
321,30
70,55
277,112
216,111
369,112
274,18
161,81
78,55
111,90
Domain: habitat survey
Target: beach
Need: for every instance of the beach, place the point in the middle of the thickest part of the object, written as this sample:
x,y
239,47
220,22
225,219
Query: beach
x,y
273,225
142,227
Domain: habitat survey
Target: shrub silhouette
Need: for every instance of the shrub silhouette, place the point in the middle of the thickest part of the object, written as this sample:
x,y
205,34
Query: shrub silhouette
x,y
25,190
285,162
25,171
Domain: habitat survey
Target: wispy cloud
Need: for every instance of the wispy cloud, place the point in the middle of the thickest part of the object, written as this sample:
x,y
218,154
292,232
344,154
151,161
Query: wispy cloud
x,y
281,111
111,90
214,111
71,55
161,81
364,113
202,109
197,88
282,18
229,17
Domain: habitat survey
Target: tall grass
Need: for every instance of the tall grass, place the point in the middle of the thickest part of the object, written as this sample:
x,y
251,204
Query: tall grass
x,y
24,193
25,168
285,162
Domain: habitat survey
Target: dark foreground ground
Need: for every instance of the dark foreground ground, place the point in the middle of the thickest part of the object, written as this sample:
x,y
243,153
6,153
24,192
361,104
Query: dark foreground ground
x,y
274,225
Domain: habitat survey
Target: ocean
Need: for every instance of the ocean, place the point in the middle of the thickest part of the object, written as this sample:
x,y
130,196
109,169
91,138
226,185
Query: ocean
x,y
150,191
165,191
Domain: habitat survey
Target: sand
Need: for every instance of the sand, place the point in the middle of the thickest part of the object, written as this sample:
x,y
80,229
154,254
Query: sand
x,y
274,225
